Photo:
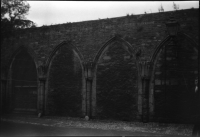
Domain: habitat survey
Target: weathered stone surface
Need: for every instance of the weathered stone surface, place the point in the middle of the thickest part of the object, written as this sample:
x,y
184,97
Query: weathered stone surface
x,y
141,31
117,88
63,50
64,84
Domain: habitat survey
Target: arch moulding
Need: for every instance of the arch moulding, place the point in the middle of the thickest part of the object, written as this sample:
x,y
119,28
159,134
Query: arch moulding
x,y
153,63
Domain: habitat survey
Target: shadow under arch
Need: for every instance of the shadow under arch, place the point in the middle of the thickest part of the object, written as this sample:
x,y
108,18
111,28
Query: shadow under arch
x,y
153,61
48,65
29,52
126,46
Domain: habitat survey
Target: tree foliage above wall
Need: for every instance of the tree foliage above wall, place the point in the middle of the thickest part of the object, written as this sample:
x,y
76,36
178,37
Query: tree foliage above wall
x,y
13,17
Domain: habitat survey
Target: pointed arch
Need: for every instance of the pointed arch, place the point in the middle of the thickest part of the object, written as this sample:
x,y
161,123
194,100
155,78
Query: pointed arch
x,y
22,76
108,43
70,72
167,40
156,59
29,50
156,51
68,43
123,49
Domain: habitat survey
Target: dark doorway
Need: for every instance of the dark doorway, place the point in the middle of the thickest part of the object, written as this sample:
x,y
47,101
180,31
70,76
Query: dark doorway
x,y
24,83
174,84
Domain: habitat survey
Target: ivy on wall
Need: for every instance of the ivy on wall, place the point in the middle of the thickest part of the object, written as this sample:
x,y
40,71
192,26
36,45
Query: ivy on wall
x,y
116,85
64,97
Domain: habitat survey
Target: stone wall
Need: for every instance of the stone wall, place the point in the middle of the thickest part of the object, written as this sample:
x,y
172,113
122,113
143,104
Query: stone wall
x,y
117,84
64,84
144,31
114,47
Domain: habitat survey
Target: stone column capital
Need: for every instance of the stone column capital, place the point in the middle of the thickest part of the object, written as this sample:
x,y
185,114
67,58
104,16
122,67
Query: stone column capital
x,y
42,72
89,70
144,69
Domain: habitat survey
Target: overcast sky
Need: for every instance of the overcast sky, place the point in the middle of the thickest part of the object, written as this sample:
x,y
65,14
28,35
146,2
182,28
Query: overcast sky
x,y
58,12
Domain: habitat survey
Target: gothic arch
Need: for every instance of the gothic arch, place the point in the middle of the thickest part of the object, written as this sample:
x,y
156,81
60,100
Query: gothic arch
x,y
68,43
154,60
48,66
30,52
13,91
110,44
166,40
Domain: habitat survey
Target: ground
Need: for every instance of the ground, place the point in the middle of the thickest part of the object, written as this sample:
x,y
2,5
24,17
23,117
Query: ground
x,y
48,125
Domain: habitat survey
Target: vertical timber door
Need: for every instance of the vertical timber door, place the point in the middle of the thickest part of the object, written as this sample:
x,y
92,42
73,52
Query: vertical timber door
x,y
175,73
24,83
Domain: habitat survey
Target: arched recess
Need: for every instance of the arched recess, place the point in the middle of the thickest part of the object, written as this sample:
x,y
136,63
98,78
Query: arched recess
x,y
22,87
174,70
115,85
65,92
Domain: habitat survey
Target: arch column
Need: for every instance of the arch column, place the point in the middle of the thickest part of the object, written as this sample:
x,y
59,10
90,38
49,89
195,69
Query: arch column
x,y
198,83
145,82
3,92
89,73
41,92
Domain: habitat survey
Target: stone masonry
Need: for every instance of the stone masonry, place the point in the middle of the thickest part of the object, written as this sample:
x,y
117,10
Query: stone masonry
x,y
76,61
